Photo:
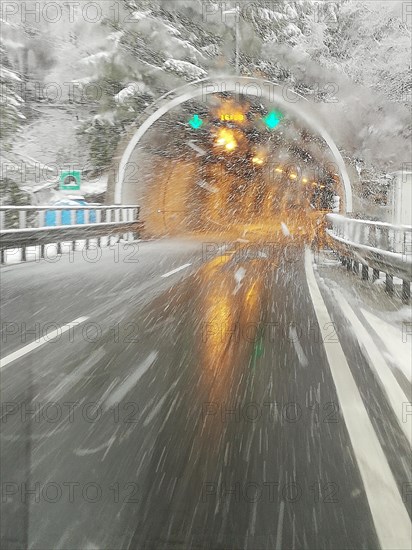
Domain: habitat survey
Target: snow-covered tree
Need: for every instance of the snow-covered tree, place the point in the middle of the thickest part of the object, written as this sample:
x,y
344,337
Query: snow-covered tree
x,y
145,48
11,103
149,49
372,44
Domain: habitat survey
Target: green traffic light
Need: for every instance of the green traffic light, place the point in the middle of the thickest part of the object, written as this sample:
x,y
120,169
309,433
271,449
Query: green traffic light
x,y
272,119
195,122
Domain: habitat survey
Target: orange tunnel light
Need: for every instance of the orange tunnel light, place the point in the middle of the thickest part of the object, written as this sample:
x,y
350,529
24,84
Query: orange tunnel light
x,y
226,139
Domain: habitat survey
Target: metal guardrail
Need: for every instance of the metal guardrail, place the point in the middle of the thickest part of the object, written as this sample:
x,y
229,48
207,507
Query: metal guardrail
x,y
23,226
376,245
21,217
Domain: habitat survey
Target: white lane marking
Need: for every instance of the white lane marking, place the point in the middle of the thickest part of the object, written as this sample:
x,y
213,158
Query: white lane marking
x,y
396,396
124,388
392,523
279,530
176,270
43,340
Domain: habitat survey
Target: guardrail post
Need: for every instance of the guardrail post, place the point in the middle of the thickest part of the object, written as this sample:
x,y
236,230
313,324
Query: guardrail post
x,y
372,235
59,218
86,220
108,220
389,284
22,219
117,220
73,222
123,219
98,220
22,225
362,234
384,240
406,291
137,218
391,240
365,272
129,218
397,240
407,245
41,218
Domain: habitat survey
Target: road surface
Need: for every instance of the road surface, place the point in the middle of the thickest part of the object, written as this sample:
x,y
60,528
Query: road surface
x,y
178,394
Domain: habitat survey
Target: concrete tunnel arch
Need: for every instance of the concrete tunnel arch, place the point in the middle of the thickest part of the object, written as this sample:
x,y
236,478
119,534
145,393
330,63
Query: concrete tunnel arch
x,y
253,86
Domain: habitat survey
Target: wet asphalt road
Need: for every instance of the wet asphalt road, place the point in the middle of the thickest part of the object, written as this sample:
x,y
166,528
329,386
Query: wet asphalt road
x,y
192,410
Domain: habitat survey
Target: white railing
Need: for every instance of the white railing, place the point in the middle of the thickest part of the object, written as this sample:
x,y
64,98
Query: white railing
x,y
23,217
376,245
23,226
385,236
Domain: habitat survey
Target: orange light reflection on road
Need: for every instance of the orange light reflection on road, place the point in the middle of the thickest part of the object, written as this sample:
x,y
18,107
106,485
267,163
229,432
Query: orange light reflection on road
x,y
218,320
230,322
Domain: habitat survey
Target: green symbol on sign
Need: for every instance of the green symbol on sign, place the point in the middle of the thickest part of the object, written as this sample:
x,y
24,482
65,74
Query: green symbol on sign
x,y
69,180
272,119
195,122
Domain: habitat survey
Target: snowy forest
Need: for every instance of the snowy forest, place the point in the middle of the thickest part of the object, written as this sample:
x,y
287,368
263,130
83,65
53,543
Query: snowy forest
x,y
75,75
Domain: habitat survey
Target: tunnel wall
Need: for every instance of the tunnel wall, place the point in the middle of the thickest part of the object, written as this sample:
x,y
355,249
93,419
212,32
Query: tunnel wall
x,y
160,187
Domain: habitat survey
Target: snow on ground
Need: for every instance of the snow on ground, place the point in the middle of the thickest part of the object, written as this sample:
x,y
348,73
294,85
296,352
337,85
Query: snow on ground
x,y
397,340
382,280
387,320
48,144
51,140
96,185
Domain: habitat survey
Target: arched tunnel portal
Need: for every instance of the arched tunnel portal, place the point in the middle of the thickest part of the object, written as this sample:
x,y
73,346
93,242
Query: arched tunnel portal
x,y
164,188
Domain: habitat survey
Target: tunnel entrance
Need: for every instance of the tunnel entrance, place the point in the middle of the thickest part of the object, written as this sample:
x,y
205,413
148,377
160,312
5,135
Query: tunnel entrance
x,y
230,164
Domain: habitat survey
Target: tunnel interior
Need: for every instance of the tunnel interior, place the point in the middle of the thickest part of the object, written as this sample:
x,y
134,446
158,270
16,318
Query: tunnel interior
x,y
231,162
